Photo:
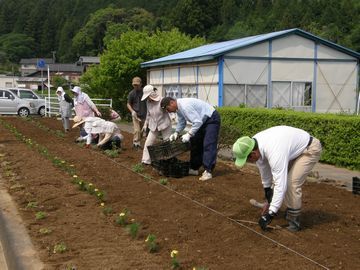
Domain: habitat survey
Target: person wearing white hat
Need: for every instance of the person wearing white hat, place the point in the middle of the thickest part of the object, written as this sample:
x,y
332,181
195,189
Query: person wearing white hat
x,y
285,156
84,107
137,108
157,121
66,103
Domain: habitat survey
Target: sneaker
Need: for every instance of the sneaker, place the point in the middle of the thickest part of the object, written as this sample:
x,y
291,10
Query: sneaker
x,y
193,172
205,176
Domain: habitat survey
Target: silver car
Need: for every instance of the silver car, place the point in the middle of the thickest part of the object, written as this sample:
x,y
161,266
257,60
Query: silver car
x,y
12,104
31,96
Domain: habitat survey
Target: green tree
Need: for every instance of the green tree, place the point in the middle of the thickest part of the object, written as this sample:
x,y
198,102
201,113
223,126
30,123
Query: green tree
x,y
89,40
121,61
17,46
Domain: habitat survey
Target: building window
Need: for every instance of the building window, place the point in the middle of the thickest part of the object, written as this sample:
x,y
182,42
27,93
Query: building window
x,y
294,95
249,95
180,91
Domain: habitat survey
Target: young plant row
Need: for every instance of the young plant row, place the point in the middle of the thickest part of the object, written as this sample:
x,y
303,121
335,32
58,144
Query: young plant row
x,y
122,219
57,133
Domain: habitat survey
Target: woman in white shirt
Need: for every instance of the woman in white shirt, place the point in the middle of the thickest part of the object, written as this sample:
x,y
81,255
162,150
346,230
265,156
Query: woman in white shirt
x,y
157,121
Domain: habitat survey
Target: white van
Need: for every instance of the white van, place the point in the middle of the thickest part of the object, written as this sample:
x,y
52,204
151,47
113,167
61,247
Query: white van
x,y
31,96
12,104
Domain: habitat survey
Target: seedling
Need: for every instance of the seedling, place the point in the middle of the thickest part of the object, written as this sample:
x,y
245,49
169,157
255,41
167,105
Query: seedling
x,y
163,181
151,243
174,261
40,215
45,231
32,205
133,229
59,248
138,168
113,153
121,219
107,210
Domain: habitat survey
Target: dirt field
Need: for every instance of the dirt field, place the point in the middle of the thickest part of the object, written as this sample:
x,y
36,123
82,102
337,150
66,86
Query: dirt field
x,y
196,218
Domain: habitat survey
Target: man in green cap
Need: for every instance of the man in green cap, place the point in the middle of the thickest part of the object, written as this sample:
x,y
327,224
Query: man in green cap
x,y
285,156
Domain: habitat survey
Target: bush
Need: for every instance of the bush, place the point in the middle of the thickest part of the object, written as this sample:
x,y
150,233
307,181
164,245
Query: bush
x,y
338,134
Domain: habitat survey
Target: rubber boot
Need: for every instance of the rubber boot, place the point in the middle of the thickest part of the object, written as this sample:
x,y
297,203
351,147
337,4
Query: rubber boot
x,y
293,217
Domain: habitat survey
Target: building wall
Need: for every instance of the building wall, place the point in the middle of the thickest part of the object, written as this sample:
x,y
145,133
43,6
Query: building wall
x,y
336,87
269,74
8,81
199,81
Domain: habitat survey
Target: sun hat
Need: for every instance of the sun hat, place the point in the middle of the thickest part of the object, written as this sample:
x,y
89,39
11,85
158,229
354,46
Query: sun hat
x,y
76,89
150,91
59,89
136,81
78,121
242,148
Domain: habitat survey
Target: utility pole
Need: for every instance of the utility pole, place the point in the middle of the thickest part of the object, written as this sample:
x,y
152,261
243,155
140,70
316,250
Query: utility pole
x,y
53,54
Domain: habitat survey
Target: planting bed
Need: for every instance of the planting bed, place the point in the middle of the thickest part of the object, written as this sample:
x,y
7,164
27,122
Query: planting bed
x,y
196,218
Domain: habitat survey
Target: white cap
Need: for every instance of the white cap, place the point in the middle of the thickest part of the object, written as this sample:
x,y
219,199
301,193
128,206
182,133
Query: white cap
x,y
150,91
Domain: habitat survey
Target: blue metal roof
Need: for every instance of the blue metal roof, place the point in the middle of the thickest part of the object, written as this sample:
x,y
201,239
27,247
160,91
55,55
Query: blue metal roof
x,y
212,51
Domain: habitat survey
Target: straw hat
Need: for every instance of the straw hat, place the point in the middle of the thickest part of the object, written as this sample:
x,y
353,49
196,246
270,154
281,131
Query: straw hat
x,y
78,121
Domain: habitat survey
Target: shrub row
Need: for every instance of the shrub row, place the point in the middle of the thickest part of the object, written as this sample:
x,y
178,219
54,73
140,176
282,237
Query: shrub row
x,y
339,134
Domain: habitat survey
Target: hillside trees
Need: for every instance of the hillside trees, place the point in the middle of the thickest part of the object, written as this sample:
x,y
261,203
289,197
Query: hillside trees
x,y
89,40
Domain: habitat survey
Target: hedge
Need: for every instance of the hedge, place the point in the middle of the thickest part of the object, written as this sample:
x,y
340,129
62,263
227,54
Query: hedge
x,y
339,134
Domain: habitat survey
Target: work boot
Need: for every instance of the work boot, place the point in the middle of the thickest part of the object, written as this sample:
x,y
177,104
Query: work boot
x,y
294,221
193,172
205,176
293,226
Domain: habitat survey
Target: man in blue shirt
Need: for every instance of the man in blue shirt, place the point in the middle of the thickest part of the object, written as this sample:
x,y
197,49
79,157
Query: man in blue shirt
x,y
203,134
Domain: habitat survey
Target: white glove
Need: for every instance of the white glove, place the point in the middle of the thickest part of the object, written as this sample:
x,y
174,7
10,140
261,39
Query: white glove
x,y
134,114
185,138
173,136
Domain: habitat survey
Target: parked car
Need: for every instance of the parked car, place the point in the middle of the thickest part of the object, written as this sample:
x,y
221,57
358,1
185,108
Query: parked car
x,y
31,96
12,104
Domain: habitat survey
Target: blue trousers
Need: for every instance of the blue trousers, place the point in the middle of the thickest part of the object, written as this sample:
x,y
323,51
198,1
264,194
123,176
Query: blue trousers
x,y
203,145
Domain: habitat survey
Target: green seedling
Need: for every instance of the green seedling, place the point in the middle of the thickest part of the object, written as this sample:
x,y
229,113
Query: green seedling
x,y
151,243
138,168
59,248
32,205
45,231
40,215
133,229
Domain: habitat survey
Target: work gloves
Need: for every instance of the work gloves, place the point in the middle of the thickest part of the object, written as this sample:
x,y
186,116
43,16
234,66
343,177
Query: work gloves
x,y
134,114
174,136
266,219
185,138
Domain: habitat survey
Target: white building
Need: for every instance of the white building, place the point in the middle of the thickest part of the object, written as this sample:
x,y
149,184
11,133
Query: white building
x,y
8,81
289,69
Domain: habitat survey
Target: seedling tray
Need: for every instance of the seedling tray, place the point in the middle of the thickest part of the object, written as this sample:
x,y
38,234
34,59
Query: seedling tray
x,y
172,167
166,150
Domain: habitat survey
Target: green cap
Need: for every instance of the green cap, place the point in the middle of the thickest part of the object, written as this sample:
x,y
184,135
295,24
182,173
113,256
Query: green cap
x,y
241,149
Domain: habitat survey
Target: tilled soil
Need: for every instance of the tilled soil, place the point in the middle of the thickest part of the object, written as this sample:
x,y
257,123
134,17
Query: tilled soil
x,y
196,218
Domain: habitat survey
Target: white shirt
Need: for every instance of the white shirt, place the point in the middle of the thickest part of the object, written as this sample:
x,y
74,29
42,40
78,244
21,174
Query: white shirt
x,y
194,111
279,145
